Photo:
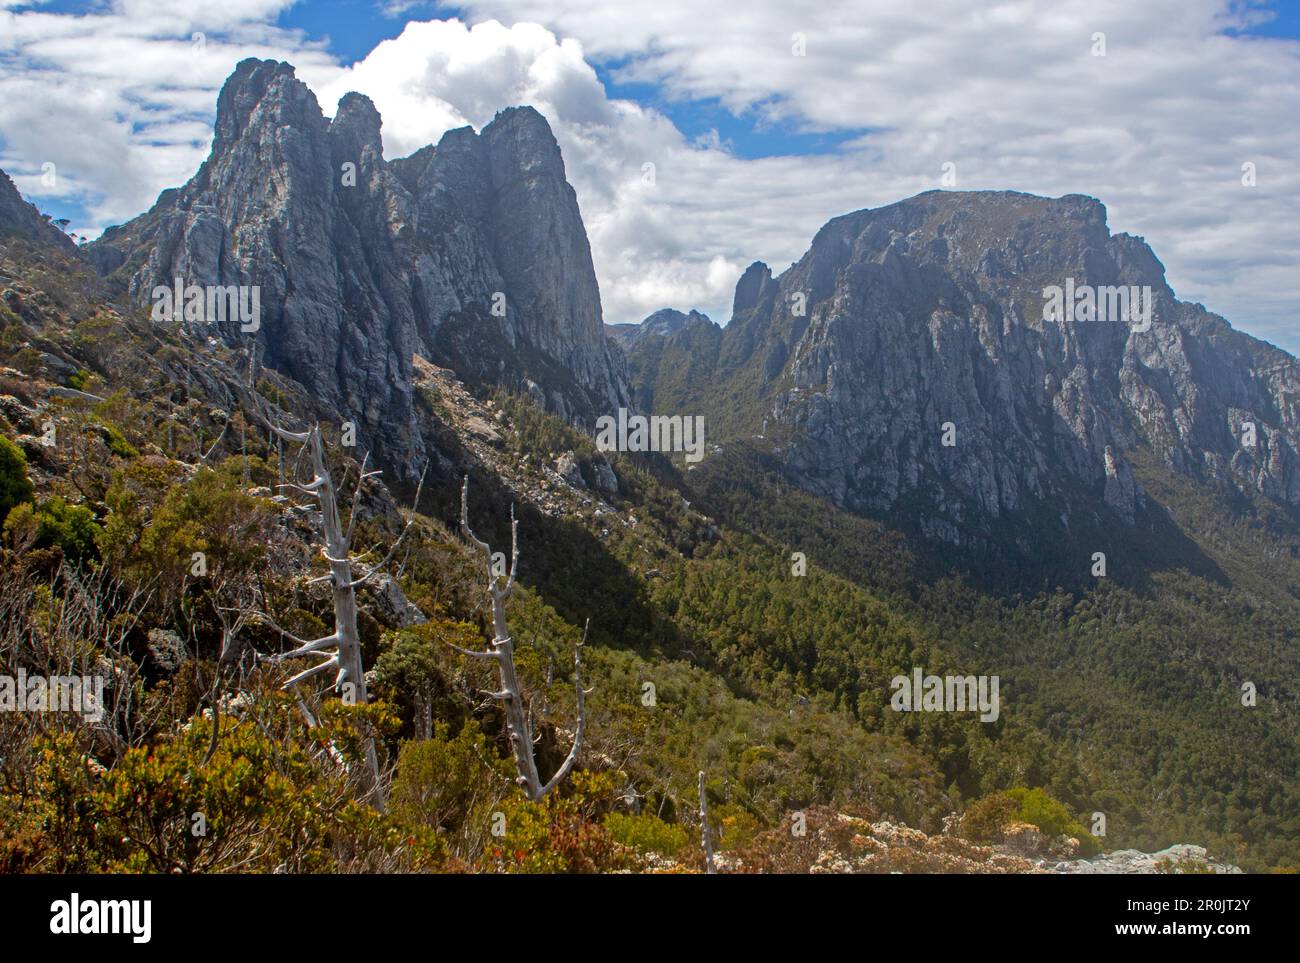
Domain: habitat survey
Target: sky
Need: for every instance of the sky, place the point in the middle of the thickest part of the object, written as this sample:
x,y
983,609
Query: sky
x,y
702,137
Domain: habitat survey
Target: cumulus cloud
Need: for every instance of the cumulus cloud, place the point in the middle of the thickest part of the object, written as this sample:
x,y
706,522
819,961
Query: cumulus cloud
x,y
671,222
441,74
1013,95
120,100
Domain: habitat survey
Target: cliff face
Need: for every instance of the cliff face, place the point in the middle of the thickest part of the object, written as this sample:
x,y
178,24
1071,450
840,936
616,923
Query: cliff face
x,y
905,361
472,253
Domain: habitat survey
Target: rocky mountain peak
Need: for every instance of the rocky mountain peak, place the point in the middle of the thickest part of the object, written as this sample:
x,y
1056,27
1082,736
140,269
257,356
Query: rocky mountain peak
x,y
261,93
521,143
911,362
357,123
664,323
471,253
668,321
756,280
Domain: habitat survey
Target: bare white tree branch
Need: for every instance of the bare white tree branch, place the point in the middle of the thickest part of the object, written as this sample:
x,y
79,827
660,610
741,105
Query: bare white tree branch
x,y
341,649
706,837
518,719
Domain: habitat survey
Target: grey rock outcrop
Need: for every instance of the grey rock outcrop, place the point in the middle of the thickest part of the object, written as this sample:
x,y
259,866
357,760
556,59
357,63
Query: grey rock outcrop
x,y
567,467
904,364
391,604
1181,858
471,253
606,479
167,649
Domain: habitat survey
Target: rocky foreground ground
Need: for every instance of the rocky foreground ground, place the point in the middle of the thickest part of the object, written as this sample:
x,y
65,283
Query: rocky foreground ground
x,y
873,846
841,843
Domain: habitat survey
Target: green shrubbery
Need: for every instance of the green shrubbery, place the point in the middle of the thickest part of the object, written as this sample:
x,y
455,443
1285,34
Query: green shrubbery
x,y
412,670
54,523
1036,807
450,784
647,833
28,361
210,514
985,819
560,834
15,486
256,804
116,441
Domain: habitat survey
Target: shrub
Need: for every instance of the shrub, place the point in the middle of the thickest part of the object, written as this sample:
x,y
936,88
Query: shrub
x,y
264,807
54,524
736,826
1036,807
15,486
28,361
212,514
449,783
985,819
116,441
551,837
560,834
135,491
411,671
647,833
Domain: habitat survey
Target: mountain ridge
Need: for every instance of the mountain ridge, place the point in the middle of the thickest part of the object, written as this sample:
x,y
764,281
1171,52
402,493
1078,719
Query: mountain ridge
x,y
1119,696
902,365
929,311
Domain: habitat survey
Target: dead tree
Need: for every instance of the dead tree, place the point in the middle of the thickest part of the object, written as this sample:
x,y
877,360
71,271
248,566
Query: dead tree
x,y
706,837
340,651
518,716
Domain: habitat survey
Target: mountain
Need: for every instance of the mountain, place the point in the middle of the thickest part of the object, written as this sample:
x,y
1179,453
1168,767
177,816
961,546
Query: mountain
x,y
667,353
767,595
664,323
903,368
471,253
17,217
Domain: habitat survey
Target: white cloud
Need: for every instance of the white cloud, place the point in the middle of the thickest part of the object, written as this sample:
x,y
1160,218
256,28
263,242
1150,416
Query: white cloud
x,y
1157,129
653,245
121,99
441,74
682,240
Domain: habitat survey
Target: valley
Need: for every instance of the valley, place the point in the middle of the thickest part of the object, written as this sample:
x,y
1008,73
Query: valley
x,y
438,316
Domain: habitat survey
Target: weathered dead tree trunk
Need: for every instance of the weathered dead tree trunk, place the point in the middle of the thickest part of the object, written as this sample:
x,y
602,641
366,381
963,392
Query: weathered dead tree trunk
x,y
339,651
706,837
518,718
